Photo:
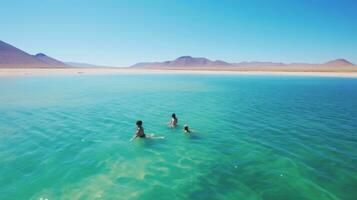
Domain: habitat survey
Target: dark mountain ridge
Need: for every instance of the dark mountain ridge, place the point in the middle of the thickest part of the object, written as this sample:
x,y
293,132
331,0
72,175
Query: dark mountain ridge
x,y
13,57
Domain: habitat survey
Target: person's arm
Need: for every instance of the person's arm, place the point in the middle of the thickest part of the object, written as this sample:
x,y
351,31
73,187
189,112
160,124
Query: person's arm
x,y
135,136
169,123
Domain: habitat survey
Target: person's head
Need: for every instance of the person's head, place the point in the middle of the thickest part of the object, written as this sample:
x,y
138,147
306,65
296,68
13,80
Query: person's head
x,y
139,123
185,128
173,115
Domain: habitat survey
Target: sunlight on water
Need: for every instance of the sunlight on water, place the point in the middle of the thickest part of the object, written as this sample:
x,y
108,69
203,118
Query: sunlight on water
x,y
255,137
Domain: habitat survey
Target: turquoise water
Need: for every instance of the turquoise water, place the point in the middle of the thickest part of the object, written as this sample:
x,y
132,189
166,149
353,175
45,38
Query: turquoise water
x,y
255,137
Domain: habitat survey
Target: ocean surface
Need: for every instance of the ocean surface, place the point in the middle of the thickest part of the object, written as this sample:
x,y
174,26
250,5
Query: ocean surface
x,y
255,137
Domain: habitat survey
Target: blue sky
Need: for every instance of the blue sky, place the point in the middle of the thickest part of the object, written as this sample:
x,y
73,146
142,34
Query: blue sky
x,y
123,32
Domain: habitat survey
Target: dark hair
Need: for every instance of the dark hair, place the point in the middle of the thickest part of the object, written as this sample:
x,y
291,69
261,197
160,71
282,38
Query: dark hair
x,y
139,123
173,115
185,128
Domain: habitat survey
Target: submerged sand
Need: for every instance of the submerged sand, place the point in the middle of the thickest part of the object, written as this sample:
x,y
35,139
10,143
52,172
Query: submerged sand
x,y
5,72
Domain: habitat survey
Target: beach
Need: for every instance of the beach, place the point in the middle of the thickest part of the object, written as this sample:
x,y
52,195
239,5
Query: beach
x,y
6,72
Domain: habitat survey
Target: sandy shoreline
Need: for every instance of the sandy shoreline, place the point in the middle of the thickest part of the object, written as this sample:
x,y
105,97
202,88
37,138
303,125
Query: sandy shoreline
x,y
7,72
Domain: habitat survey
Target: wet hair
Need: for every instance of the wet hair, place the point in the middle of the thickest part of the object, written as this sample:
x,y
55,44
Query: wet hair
x,y
173,115
139,123
186,128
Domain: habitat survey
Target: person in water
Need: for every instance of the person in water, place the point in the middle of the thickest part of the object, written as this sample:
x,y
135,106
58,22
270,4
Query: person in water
x,y
186,129
139,130
173,121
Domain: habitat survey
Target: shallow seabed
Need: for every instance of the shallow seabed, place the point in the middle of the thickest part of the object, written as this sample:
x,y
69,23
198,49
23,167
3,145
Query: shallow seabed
x,y
255,137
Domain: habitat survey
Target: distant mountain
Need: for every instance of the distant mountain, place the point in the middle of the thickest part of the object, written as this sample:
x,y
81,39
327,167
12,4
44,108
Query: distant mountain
x,y
188,61
49,60
146,64
78,64
258,64
338,63
192,62
13,57
185,61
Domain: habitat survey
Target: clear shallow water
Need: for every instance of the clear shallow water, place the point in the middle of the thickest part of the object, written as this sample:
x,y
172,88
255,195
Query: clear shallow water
x,y
255,137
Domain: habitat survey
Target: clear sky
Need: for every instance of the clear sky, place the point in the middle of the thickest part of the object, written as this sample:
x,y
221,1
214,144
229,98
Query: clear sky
x,y
123,32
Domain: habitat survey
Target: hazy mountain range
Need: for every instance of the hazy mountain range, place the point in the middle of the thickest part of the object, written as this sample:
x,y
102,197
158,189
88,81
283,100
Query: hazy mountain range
x,y
12,57
86,65
190,62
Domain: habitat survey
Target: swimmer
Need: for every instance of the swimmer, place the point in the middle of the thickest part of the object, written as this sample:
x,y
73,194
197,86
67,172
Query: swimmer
x,y
186,129
139,130
173,121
